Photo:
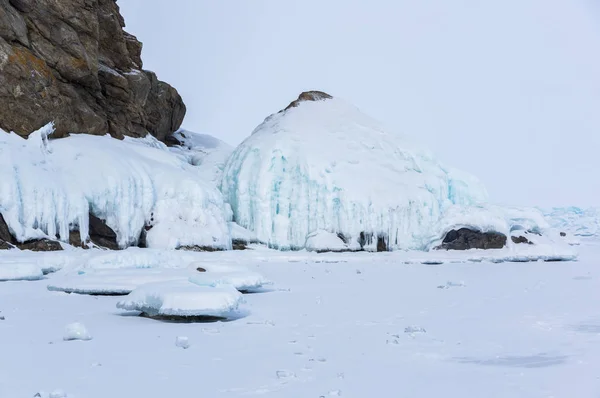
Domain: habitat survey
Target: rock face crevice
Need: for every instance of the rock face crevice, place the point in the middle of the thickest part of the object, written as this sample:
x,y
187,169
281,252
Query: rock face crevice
x,y
71,62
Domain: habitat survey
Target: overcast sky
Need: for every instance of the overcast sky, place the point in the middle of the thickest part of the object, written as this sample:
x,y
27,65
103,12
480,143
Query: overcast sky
x,y
507,90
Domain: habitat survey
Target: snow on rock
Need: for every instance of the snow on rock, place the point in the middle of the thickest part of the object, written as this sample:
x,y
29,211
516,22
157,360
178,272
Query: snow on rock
x,y
324,165
490,218
48,188
203,150
76,331
181,298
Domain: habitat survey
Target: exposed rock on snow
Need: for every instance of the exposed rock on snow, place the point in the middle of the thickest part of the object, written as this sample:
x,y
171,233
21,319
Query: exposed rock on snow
x,y
241,237
465,239
520,239
101,234
72,62
41,245
308,96
321,164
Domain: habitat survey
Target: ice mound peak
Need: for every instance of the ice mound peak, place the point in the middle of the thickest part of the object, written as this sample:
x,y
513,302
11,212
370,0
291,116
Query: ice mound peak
x,y
327,166
312,95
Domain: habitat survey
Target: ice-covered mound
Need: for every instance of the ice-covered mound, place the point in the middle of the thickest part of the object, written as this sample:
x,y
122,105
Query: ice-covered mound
x,y
182,298
49,187
583,223
203,150
322,164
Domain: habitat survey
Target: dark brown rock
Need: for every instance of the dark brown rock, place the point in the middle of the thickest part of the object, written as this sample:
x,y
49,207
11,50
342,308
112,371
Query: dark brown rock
x,y
196,248
308,96
41,245
5,245
200,269
520,239
237,244
464,239
101,234
71,62
563,234
5,234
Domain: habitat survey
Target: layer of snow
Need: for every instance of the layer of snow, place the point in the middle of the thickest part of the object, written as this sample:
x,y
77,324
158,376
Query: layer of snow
x,y
334,323
182,298
49,187
123,281
76,331
324,165
205,151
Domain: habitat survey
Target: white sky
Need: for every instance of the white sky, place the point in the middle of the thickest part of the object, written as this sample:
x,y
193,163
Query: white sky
x,y
507,90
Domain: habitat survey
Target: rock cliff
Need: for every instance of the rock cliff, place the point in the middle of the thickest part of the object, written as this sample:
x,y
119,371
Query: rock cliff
x,y
71,62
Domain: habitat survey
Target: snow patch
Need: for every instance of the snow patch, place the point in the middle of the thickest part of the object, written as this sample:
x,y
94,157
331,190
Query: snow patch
x,y
76,331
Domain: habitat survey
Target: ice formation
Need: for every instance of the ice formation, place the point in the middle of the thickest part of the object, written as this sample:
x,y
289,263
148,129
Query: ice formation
x,y
324,165
182,298
584,223
49,187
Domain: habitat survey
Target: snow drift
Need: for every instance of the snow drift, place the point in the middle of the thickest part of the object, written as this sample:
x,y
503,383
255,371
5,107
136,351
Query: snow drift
x,y
49,187
323,165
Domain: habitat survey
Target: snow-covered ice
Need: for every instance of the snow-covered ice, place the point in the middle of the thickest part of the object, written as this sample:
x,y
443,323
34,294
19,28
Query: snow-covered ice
x,y
584,223
19,270
519,330
183,298
123,281
76,331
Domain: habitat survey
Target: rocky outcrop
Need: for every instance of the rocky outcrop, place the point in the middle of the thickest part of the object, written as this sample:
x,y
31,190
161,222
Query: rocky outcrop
x,y
308,96
71,62
41,245
520,239
465,239
101,234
